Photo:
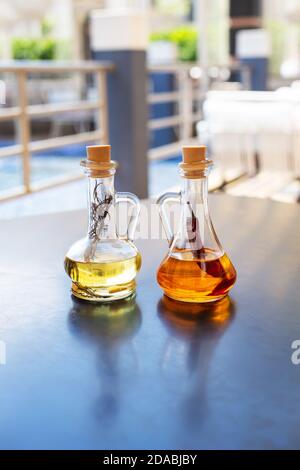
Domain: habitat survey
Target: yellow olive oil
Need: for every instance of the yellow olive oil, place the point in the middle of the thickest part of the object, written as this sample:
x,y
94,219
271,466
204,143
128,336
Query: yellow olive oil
x,y
105,280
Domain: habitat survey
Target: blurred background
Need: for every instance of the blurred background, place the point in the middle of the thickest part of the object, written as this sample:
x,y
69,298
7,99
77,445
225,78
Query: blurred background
x,y
147,77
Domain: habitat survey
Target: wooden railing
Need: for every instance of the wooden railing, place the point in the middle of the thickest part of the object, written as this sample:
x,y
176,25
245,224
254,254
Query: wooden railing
x,y
24,112
187,97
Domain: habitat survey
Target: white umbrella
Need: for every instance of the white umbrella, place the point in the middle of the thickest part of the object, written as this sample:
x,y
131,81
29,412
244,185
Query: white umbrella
x,y
30,13
30,9
292,12
8,18
8,15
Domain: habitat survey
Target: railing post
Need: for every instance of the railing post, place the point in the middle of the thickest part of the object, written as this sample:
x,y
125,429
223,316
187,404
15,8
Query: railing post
x,y
186,106
122,38
24,128
102,118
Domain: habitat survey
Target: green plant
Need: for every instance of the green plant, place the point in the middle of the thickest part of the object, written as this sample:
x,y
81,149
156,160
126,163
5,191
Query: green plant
x,y
34,49
46,27
185,38
24,49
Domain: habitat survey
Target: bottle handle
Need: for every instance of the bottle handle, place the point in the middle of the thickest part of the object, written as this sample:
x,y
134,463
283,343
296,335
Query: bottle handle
x,y
134,201
161,202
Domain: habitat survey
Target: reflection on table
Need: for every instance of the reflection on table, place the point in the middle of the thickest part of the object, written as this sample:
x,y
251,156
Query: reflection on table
x,y
110,328
194,332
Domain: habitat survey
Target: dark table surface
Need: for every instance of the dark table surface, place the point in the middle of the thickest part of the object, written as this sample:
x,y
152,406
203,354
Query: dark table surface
x,y
145,373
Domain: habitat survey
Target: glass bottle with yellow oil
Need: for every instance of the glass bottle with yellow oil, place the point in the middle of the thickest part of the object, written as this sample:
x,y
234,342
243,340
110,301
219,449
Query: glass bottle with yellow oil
x,y
103,265
196,268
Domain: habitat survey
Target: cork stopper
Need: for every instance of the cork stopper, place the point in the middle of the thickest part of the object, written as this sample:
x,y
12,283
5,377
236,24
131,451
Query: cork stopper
x,y
194,154
194,162
98,162
98,153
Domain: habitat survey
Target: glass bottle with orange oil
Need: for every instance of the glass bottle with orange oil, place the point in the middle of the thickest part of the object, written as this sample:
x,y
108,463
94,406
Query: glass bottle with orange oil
x,y
196,268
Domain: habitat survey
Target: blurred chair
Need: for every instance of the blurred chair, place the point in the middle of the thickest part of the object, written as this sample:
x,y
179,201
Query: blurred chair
x,y
256,135
228,134
79,121
273,147
291,193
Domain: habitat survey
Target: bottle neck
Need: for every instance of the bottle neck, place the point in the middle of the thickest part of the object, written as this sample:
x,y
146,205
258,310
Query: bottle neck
x,y
101,206
195,218
195,191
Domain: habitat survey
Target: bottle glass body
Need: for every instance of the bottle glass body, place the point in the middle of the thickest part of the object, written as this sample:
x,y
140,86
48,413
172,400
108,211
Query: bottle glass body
x,y
103,266
196,268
